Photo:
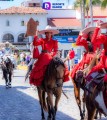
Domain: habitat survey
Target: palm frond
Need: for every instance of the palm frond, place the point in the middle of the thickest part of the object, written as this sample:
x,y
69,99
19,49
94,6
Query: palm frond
x,y
104,4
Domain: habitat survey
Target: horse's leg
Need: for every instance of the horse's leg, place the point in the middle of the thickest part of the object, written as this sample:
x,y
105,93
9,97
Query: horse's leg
x,y
41,102
58,96
50,98
96,114
49,110
28,72
10,79
91,113
5,77
90,108
77,97
84,104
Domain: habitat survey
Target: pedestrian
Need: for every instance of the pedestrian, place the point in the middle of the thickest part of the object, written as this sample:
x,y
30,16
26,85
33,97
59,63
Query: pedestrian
x,y
49,50
70,58
7,49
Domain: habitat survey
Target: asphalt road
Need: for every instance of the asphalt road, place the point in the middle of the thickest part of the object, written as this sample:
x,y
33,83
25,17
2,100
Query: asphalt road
x,y
21,101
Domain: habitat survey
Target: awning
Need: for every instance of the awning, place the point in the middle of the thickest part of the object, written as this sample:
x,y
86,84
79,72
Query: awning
x,y
64,22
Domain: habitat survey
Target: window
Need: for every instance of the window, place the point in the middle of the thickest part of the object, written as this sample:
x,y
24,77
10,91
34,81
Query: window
x,y
8,37
22,23
21,38
7,23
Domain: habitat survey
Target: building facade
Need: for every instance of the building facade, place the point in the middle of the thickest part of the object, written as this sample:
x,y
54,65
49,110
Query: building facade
x,y
60,16
13,23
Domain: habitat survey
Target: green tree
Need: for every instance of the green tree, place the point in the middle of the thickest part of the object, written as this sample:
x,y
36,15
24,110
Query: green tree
x,y
103,4
87,6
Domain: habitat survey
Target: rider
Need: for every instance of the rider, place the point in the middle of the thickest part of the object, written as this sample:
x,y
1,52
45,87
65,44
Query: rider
x,y
7,50
102,38
49,50
84,39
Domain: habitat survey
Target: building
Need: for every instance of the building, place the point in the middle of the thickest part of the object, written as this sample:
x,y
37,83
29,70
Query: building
x,y
13,24
57,13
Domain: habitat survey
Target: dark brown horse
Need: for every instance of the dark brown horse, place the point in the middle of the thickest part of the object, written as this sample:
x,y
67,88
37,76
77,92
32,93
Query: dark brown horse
x,y
79,83
52,85
94,96
7,69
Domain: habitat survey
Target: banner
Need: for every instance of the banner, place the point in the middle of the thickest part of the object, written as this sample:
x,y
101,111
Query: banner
x,y
65,39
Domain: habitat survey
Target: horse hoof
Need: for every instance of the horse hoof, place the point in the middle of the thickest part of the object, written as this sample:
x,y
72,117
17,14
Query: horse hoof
x,y
43,119
82,118
95,117
7,86
49,118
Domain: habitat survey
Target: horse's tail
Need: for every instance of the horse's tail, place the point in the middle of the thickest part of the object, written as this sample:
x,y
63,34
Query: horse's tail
x,y
44,101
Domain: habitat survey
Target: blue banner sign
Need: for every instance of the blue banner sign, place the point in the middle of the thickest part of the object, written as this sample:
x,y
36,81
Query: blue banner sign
x,y
65,39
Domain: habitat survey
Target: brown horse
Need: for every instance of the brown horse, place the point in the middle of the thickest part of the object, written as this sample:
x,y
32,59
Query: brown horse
x,y
7,69
79,83
94,96
52,85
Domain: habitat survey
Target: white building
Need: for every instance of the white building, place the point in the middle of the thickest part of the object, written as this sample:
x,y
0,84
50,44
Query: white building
x,y
59,14
13,23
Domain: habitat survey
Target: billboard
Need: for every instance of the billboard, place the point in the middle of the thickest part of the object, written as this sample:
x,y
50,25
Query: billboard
x,y
54,4
65,39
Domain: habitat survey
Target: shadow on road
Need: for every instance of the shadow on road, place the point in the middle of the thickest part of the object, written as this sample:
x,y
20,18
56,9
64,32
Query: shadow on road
x,y
17,105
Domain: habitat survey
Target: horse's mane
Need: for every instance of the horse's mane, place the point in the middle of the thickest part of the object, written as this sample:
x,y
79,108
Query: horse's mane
x,y
8,64
51,68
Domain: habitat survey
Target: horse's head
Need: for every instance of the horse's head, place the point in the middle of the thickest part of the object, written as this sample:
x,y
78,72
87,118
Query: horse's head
x,y
58,67
7,63
7,60
79,76
97,88
55,73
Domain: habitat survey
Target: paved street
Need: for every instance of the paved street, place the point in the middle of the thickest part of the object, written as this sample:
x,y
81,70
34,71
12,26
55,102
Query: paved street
x,y
21,102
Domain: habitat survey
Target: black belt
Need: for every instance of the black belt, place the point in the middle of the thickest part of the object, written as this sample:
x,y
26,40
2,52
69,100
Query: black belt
x,y
45,51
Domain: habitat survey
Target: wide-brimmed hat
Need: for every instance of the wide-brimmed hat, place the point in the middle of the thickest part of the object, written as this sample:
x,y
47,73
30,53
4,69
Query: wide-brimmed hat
x,y
88,29
103,25
49,29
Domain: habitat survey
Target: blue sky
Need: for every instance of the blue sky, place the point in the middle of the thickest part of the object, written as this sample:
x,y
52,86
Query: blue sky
x,y
6,4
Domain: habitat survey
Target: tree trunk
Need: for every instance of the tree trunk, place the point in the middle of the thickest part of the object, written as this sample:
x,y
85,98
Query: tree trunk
x,y
82,13
91,12
87,17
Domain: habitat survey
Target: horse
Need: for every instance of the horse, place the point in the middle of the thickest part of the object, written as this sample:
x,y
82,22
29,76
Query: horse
x,y
79,83
52,86
94,96
7,69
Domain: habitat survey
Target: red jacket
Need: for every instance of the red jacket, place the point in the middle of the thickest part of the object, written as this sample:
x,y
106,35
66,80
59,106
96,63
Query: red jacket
x,y
71,54
81,41
50,46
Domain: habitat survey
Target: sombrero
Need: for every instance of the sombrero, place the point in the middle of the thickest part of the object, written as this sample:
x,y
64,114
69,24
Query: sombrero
x,y
104,25
88,29
49,29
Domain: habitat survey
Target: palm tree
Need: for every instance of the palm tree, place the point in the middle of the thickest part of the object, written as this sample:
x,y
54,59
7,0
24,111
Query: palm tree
x,y
93,2
103,4
77,4
87,6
